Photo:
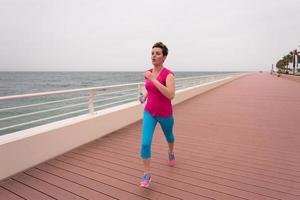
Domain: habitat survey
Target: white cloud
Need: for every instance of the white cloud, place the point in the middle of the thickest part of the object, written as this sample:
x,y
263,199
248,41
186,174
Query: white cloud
x,y
117,35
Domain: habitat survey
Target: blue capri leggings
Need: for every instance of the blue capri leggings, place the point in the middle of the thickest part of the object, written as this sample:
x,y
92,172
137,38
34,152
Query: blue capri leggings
x,y
149,124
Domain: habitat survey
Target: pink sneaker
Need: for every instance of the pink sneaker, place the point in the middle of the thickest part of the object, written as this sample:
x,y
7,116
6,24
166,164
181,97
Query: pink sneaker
x,y
145,183
171,160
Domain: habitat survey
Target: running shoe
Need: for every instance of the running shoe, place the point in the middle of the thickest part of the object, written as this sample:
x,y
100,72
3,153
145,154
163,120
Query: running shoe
x,y
171,160
145,183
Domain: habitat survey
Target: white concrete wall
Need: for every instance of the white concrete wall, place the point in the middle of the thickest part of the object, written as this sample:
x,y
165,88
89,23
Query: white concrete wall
x,y
24,149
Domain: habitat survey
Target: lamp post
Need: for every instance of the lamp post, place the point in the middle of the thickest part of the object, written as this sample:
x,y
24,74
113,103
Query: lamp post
x,y
272,69
294,54
297,58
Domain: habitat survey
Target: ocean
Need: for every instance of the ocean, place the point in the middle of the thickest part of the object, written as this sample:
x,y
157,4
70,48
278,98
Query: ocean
x,y
17,83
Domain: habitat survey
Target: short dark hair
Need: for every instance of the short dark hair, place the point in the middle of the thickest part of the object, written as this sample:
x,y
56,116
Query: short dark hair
x,y
161,45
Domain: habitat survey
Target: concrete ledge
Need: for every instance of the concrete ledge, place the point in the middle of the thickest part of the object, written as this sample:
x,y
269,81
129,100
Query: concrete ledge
x,y
24,149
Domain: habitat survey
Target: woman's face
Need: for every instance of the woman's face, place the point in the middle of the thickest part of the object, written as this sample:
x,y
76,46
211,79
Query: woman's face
x,y
157,56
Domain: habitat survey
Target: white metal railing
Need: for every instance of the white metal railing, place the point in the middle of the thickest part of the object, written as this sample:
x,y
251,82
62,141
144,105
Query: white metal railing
x,y
29,110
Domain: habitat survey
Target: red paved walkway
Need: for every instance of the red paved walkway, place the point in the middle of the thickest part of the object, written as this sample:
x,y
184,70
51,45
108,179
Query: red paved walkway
x,y
239,141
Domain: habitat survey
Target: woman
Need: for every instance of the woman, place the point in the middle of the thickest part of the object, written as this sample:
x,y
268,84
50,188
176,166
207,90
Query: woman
x,y
160,86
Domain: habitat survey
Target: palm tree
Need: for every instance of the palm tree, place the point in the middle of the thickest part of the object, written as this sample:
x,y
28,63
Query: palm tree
x,y
280,65
287,59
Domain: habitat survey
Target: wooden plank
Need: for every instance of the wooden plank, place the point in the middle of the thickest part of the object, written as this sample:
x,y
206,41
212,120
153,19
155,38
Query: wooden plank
x,y
44,187
189,157
208,182
206,154
90,179
74,187
23,190
133,176
8,195
222,150
171,191
217,159
165,176
122,181
210,173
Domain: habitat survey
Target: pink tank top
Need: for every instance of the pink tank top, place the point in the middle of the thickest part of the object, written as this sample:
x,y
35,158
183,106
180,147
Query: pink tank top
x,y
157,104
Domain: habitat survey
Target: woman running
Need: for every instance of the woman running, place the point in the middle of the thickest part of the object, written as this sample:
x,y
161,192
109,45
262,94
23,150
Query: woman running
x,y
160,86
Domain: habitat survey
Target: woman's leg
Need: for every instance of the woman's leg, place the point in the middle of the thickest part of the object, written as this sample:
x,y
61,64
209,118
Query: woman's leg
x,y
171,146
149,124
167,124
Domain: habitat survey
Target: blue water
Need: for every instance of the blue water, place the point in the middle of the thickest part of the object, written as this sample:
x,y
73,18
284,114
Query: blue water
x,y
16,83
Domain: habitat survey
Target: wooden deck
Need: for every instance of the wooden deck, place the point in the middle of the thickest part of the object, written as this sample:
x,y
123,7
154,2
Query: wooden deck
x,y
239,141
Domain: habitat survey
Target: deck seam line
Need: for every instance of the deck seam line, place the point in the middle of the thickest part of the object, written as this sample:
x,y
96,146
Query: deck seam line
x,y
200,179
157,182
25,172
95,179
222,177
73,182
231,169
224,157
34,188
12,192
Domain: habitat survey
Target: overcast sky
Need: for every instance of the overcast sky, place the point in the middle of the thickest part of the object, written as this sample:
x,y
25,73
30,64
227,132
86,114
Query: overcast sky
x,y
117,35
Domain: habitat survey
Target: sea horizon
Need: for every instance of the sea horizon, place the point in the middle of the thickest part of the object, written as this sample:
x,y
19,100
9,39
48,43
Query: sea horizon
x,y
21,83
25,82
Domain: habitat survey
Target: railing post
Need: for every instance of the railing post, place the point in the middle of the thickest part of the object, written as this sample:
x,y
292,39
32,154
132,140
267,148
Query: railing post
x,y
140,87
184,84
91,101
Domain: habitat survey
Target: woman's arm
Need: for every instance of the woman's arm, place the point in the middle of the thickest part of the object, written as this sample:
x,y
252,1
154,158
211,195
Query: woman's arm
x,y
168,90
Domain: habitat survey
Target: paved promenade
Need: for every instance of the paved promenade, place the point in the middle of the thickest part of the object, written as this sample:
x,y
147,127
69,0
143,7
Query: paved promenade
x,y
238,141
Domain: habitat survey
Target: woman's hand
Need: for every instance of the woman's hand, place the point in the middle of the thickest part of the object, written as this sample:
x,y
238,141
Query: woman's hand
x,y
142,99
148,75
